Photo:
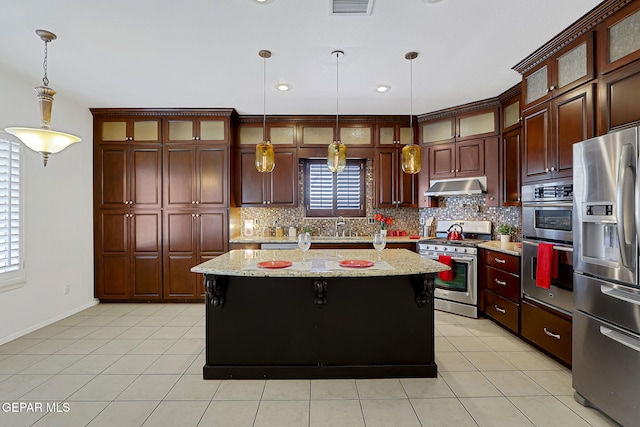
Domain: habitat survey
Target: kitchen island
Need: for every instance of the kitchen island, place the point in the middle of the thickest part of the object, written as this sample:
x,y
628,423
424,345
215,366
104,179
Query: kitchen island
x,y
317,319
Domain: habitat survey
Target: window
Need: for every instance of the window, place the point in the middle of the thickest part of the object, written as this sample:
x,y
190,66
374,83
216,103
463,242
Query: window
x,y
329,194
11,269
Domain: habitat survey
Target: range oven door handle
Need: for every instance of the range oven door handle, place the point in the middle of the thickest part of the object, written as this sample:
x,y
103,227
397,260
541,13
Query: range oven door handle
x,y
625,340
458,259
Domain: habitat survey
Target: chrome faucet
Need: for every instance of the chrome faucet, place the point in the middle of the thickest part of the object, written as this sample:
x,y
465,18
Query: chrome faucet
x,y
340,221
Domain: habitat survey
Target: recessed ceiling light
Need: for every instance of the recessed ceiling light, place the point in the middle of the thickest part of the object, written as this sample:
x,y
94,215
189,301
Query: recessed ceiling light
x,y
431,1
263,1
383,88
283,86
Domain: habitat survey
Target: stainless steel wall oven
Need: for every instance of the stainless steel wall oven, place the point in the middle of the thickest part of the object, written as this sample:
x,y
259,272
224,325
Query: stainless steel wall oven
x,y
547,217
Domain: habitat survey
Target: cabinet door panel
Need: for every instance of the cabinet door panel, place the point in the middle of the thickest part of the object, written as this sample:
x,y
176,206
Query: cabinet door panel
x,y
212,233
147,276
442,161
493,171
511,171
470,158
573,123
536,141
619,103
146,177
179,176
179,281
407,185
179,254
112,164
146,232
251,181
385,173
284,179
211,176
113,232
113,276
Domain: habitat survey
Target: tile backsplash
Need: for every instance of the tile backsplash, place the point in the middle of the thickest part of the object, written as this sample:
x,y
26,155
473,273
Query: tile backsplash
x,y
408,219
474,208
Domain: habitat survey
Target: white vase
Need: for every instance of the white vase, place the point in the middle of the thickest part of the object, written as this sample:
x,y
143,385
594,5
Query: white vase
x,y
505,238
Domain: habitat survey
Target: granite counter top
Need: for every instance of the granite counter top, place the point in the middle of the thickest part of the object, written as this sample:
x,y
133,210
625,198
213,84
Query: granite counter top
x,y
323,239
512,248
319,263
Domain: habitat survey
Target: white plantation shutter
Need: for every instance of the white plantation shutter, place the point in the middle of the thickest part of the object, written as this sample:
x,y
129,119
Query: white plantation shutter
x,y
332,194
11,270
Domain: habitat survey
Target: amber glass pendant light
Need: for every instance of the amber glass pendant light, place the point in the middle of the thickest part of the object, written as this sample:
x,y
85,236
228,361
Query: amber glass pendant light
x,y
43,139
265,161
411,154
337,152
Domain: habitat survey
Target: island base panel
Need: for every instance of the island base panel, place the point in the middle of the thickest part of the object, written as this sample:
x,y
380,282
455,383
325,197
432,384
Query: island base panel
x,y
356,327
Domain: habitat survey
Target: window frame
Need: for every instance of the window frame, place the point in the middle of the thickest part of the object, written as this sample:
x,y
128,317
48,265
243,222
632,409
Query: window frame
x,y
335,211
16,278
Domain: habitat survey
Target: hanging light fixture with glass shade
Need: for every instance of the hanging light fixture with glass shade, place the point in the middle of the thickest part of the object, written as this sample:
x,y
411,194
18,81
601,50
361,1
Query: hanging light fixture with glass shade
x,y
43,139
337,152
411,154
264,151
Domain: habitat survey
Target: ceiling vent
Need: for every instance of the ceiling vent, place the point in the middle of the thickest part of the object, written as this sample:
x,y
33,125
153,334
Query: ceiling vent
x,y
351,7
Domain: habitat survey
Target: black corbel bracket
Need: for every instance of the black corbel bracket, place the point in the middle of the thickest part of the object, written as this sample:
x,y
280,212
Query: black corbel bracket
x,y
215,290
320,291
423,287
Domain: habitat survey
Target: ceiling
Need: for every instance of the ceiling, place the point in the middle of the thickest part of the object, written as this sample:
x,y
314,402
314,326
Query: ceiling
x,y
204,53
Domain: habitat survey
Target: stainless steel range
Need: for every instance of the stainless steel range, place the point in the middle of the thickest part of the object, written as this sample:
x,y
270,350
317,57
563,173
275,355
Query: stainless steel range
x,y
458,295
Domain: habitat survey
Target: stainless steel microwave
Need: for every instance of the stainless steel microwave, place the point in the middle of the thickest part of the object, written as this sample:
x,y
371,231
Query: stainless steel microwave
x,y
547,211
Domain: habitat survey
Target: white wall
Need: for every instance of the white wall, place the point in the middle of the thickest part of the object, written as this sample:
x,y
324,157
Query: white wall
x,y
58,215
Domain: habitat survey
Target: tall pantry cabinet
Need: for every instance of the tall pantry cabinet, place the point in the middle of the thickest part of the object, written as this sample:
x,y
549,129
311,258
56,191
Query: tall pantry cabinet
x,y
161,200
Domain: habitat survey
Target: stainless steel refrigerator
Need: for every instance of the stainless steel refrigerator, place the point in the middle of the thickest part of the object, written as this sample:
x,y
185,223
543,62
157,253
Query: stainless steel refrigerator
x,y
606,317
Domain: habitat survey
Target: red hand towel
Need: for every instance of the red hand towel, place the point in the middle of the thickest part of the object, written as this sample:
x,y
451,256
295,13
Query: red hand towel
x,y
445,275
547,266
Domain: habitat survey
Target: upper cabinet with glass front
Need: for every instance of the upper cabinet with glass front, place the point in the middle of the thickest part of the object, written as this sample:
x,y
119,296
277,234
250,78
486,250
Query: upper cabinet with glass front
x,y
197,129
566,69
460,127
280,134
129,129
618,41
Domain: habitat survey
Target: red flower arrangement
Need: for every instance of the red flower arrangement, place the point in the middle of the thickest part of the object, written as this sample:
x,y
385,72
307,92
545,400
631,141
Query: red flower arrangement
x,y
384,220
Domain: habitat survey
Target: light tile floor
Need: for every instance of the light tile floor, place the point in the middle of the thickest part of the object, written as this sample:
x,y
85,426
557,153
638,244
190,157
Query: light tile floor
x,y
141,365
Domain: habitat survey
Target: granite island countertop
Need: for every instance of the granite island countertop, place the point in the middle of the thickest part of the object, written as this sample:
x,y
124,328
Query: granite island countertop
x,y
320,263
323,239
511,248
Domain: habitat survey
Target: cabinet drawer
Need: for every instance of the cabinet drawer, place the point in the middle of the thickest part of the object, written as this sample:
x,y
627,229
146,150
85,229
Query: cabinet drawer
x,y
503,283
510,263
547,330
502,310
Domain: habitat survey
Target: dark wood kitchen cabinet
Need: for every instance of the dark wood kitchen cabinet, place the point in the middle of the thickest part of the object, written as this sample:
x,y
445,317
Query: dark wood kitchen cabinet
x,y
191,237
460,123
128,254
393,187
549,131
278,188
570,67
456,159
619,99
211,130
147,164
618,43
196,175
547,329
501,279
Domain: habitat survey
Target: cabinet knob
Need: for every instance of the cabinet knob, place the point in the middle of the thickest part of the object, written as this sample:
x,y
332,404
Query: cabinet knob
x,y
451,171
552,169
197,138
546,170
457,170
193,215
193,202
552,87
492,198
264,202
499,309
197,202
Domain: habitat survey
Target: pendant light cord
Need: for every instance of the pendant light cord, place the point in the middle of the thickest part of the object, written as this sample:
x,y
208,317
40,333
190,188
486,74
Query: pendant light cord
x,y
337,95
45,79
264,98
411,98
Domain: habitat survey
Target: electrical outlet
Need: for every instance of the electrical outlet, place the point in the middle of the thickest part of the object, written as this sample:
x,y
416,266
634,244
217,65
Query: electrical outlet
x,y
255,222
421,220
370,220
67,288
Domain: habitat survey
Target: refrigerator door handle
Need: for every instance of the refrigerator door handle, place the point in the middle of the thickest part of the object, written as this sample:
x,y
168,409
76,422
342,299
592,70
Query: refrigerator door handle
x,y
625,340
626,166
620,294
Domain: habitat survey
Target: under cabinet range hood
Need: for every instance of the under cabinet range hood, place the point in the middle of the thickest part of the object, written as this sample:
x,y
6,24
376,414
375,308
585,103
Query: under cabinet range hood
x,y
457,186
